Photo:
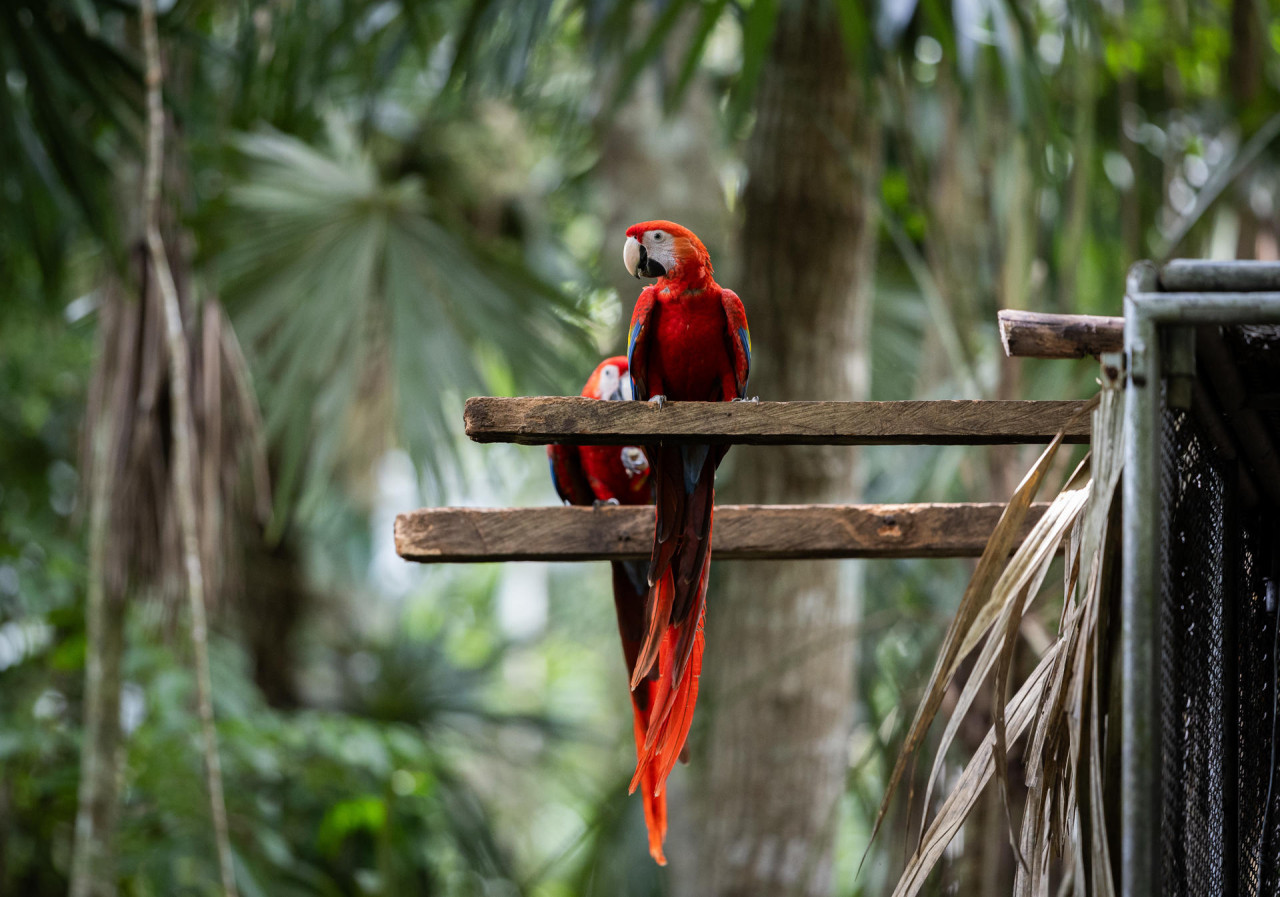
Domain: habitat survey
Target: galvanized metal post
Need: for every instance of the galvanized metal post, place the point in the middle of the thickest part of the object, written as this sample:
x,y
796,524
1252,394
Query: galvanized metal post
x,y
1199,276
1140,604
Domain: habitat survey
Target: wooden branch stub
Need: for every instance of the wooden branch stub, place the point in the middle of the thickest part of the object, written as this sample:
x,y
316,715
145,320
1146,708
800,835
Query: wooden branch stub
x,y
577,421
742,532
1027,334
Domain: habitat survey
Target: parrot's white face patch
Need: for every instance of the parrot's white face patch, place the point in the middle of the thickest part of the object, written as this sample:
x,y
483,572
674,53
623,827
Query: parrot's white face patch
x,y
653,255
609,387
661,247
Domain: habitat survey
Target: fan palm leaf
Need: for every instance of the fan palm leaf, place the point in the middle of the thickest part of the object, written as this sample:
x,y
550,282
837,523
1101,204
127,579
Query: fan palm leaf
x,y
364,313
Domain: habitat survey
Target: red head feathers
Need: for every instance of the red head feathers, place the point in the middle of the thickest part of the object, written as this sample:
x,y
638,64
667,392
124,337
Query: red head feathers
x,y
666,249
609,381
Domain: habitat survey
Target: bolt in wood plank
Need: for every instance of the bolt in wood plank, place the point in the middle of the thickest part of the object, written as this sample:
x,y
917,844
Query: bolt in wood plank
x,y
742,532
578,421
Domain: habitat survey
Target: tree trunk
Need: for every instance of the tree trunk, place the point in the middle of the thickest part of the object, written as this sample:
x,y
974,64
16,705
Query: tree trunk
x,y
93,870
93,864
778,682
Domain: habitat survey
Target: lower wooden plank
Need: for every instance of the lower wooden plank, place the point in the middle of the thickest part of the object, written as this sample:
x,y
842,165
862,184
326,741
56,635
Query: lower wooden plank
x,y
578,421
742,532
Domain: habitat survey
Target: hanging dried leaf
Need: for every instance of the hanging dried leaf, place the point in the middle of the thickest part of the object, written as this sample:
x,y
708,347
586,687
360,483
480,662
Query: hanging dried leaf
x,y
962,799
973,617
129,398
1062,706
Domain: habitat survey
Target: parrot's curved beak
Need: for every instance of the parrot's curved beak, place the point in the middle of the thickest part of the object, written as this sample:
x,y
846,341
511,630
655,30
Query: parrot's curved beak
x,y
636,259
632,256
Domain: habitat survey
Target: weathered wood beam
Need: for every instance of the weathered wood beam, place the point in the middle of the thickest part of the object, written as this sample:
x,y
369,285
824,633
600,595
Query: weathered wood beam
x,y
742,532
1028,334
577,421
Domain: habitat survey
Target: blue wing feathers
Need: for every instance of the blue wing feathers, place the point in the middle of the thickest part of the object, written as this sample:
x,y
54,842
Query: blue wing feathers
x,y
555,480
631,348
693,457
631,340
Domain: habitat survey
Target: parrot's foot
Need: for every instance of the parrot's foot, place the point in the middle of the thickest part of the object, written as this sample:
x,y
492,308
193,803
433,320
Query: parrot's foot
x,y
598,503
754,400
634,461
660,401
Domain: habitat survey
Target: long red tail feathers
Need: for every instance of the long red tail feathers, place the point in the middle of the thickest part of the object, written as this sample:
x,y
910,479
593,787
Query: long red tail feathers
x,y
674,656
660,691
661,597
693,624
655,800
681,551
673,639
677,725
655,820
665,737
666,474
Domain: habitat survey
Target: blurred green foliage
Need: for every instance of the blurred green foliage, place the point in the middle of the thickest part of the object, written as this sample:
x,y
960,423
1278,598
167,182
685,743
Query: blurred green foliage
x,y
403,203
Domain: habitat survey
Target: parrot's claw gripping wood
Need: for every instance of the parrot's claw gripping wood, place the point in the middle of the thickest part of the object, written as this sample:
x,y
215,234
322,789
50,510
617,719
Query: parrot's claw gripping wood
x,y
754,400
660,401
604,502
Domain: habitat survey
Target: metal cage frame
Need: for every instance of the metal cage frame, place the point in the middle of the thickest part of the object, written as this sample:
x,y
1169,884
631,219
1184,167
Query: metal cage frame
x,y
1161,306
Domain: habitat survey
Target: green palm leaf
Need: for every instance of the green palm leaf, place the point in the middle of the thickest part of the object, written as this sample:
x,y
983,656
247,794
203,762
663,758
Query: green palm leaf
x,y
69,100
365,315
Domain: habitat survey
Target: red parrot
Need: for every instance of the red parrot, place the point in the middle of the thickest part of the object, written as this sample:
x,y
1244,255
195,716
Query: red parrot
x,y
688,342
591,474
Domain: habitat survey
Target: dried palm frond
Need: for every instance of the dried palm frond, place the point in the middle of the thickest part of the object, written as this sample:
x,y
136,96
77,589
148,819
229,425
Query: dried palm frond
x,y
130,400
1060,710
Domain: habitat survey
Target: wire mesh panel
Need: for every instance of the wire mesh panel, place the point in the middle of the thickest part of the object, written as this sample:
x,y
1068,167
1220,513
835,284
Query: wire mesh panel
x,y
1192,682
1258,786
1220,798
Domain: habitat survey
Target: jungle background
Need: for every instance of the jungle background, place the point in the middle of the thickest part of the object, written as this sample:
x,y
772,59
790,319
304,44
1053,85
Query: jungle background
x,y
374,209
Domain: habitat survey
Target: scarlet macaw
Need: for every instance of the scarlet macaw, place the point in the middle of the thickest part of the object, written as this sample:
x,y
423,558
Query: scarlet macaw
x,y
688,342
591,474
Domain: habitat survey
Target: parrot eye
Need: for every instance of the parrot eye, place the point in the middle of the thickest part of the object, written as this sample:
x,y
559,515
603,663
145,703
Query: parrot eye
x,y
658,237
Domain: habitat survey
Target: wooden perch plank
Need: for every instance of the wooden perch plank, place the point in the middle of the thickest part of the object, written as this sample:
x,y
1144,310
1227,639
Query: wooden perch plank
x,y
1030,335
577,421
742,532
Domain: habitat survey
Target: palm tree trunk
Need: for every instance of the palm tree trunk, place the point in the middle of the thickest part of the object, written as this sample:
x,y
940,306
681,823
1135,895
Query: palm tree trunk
x,y
778,683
